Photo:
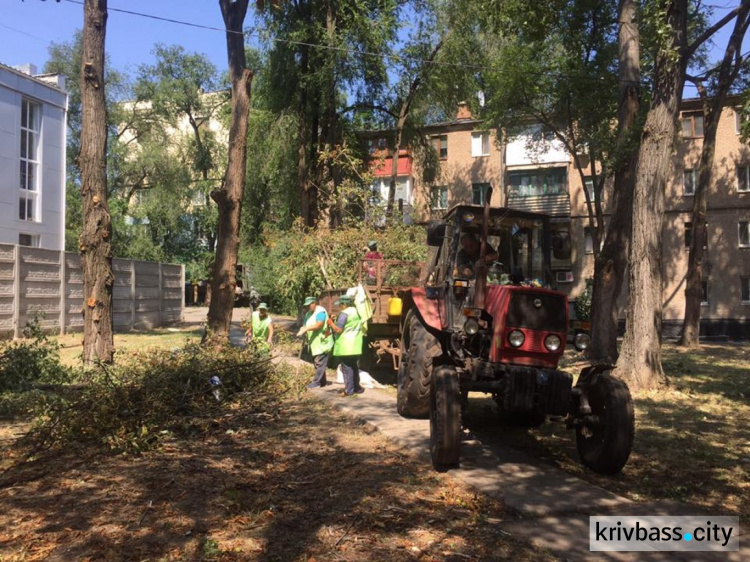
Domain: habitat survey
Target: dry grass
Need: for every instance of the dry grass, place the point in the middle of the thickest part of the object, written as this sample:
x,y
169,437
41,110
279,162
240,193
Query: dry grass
x,y
305,484
165,338
692,439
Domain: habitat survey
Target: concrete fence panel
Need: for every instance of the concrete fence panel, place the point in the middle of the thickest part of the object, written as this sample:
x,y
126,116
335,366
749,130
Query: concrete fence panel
x,y
37,281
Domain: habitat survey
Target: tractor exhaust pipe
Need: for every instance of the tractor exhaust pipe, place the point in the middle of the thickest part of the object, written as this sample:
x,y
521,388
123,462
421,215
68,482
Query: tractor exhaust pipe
x,y
480,268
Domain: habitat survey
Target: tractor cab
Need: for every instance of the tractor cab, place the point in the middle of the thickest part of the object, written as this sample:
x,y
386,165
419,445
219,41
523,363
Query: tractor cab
x,y
489,277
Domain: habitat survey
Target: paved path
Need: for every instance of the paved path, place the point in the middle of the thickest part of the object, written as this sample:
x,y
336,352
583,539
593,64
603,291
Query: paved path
x,y
552,506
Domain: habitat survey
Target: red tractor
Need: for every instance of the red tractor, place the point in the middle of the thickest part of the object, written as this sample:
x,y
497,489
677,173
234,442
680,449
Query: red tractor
x,y
483,318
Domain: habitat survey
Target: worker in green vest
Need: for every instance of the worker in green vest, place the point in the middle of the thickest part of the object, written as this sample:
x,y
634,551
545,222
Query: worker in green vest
x,y
261,325
319,339
348,346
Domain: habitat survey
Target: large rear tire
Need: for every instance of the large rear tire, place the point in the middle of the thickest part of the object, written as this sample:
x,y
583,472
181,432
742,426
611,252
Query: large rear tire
x,y
445,418
608,447
415,371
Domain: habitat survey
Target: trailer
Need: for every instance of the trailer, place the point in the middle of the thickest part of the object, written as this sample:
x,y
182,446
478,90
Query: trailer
x,y
386,283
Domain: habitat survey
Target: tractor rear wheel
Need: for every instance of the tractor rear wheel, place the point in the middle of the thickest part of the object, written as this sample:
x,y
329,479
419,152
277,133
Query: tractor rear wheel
x,y
445,418
605,446
415,371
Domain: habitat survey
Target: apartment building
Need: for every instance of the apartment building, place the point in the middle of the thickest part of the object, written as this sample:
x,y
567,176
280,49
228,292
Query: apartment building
x,y
33,114
533,172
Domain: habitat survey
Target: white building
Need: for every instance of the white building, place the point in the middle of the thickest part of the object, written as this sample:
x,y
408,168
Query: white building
x,y
33,119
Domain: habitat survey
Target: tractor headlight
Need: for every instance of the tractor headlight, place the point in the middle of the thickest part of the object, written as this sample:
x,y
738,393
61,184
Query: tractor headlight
x,y
552,342
516,338
582,341
471,326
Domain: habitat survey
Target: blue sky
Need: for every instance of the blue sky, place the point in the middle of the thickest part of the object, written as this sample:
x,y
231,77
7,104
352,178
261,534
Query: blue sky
x,y
28,27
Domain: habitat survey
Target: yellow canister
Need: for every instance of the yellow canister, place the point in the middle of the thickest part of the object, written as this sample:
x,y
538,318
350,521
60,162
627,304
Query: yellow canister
x,y
395,306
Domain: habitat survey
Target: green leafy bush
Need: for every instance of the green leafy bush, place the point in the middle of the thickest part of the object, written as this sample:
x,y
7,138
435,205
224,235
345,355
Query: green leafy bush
x,y
583,302
30,361
129,406
293,264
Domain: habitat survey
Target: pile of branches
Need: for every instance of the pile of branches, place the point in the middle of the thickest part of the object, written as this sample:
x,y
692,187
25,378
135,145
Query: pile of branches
x,y
128,407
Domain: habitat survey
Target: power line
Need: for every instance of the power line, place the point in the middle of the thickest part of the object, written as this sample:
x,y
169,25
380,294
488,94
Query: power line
x,y
395,58
23,32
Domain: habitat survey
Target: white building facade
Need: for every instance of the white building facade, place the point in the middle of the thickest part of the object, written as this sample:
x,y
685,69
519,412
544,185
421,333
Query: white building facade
x,y
33,120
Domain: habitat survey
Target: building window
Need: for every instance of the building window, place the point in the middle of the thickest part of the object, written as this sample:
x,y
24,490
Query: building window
x,y
704,292
744,228
745,289
29,145
479,193
588,184
588,247
539,182
739,118
743,179
28,240
480,144
199,199
692,124
26,209
438,197
561,246
689,235
689,180
440,144
29,182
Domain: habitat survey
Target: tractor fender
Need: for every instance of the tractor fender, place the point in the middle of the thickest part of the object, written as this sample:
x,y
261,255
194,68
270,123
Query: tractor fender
x,y
427,308
589,374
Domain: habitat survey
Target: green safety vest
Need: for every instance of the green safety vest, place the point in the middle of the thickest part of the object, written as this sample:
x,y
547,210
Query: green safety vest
x,y
349,342
260,326
320,341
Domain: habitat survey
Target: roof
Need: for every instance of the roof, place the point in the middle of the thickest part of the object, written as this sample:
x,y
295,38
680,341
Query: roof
x,y
478,209
39,78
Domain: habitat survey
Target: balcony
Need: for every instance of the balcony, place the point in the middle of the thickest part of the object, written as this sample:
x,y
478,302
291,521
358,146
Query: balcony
x,y
553,205
382,168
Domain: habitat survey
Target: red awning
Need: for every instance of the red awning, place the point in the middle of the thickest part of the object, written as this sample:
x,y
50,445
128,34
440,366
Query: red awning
x,y
382,168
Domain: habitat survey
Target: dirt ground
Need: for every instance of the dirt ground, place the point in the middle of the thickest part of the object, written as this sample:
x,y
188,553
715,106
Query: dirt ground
x,y
303,483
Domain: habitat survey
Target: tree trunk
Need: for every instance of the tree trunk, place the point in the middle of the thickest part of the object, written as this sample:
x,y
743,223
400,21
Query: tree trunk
x,y
712,108
307,201
640,359
403,115
611,263
694,278
394,162
336,210
229,196
95,242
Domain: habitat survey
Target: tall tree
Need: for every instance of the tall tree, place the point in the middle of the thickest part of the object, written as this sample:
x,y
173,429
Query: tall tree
x,y
553,67
320,53
96,236
411,85
229,196
611,263
65,58
713,98
640,358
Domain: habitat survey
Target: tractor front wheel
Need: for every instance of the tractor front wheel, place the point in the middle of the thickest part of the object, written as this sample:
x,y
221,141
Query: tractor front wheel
x,y
415,371
445,418
604,445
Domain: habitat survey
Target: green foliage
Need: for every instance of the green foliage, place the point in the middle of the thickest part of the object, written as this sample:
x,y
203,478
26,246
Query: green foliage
x,y
30,361
583,302
271,194
153,393
294,264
